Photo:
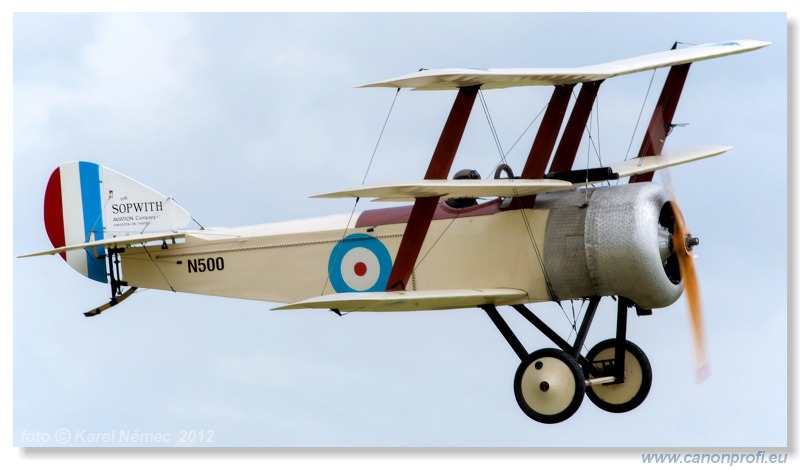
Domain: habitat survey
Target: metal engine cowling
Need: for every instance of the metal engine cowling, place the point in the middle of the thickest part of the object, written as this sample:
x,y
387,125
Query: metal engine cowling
x,y
611,241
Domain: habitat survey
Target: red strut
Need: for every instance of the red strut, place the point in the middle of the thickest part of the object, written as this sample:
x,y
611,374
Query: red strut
x,y
661,122
545,141
424,207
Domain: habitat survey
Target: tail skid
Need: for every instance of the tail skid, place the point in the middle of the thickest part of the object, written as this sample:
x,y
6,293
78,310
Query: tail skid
x,y
117,295
115,300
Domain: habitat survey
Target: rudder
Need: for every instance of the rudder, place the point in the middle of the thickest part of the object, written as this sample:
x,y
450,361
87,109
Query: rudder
x,y
87,202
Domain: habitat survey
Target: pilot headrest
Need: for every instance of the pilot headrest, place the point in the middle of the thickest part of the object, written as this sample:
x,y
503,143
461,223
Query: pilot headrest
x,y
467,174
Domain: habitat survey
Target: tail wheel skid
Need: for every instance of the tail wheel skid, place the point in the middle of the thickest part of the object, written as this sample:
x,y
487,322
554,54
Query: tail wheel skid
x,y
117,295
115,300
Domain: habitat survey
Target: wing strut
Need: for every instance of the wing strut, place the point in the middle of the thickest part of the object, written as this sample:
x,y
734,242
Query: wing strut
x,y
661,122
571,139
545,140
424,207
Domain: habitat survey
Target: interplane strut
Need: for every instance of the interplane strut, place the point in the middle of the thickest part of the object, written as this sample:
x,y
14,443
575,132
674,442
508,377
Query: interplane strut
x,y
424,207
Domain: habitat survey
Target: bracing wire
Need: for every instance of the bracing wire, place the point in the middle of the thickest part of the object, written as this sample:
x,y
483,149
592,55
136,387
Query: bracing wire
x,y
502,157
639,119
155,264
522,134
492,127
380,136
524,215
419,262
363,180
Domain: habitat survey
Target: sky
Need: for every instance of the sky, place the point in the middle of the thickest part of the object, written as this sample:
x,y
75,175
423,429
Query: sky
x,y
242,117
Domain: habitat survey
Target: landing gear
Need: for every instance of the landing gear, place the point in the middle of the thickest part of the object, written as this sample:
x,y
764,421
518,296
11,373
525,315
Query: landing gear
x,y
549,386
550,383
619,396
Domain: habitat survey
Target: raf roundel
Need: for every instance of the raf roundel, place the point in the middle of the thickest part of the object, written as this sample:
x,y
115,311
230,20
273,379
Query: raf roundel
x,y
359,263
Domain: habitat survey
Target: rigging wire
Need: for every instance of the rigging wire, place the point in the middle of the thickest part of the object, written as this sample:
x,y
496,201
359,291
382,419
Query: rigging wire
x,y
380,136
522,212
366,173
596,140
525,131
594,116
639,119
433,245
492,127
573,322
155,264
499,146
594,143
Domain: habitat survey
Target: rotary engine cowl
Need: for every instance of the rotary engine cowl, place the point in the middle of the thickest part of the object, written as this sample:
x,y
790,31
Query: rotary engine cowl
x,y
611,241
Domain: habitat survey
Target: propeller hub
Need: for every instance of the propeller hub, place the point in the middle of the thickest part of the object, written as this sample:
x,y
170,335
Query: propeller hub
x,y
691,242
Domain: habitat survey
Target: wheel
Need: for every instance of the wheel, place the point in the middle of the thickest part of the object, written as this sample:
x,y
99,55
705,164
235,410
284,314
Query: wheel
x,y
549,385
625,396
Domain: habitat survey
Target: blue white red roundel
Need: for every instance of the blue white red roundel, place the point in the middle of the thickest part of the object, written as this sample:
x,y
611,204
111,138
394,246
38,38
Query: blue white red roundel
x,y
359,263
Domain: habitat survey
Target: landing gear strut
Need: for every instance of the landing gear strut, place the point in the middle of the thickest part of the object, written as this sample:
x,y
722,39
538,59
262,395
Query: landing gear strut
x,y
550,383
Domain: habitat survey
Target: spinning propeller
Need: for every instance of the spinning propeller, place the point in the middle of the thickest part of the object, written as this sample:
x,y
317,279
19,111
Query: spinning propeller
x,y
682,244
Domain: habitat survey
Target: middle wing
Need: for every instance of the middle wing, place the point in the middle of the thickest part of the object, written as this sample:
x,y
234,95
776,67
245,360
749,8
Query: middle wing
x,y
395,191
451,188
646,164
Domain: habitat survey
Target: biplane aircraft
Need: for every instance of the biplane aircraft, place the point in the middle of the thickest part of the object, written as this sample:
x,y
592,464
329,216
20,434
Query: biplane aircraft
x,y
547,234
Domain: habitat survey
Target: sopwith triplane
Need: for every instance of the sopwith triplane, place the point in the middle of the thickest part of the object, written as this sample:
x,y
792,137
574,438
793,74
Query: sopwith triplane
x,y
547,232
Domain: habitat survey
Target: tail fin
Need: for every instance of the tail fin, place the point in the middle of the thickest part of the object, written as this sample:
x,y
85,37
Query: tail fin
x,y
87,202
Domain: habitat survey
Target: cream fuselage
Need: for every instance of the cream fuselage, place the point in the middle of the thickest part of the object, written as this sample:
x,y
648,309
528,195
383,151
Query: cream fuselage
x,y
476,247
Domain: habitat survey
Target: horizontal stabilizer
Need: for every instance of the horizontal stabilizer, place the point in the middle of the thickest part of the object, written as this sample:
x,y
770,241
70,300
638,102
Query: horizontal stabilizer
x,y
409,300
646,164
452,188
454,78
118,242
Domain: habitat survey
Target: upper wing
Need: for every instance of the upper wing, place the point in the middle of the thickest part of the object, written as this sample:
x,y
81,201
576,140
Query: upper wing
x,y
454,188
402,300
454,78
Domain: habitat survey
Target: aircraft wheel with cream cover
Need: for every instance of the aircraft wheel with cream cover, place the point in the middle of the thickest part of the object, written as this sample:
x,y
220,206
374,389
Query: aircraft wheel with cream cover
x,y
549,385
638,375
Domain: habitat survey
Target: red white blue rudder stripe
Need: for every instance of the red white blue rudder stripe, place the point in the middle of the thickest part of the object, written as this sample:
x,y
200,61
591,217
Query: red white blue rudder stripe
x,y
72,215
85,202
